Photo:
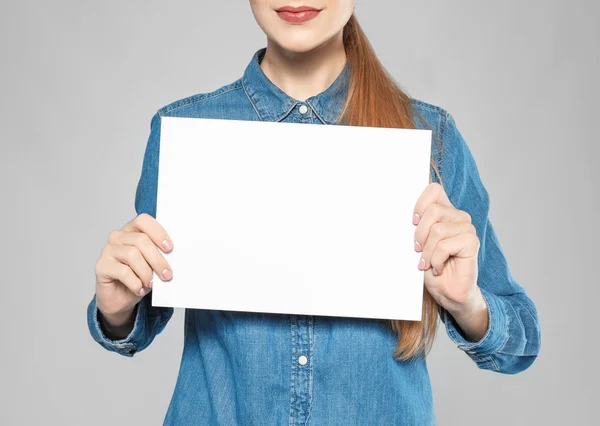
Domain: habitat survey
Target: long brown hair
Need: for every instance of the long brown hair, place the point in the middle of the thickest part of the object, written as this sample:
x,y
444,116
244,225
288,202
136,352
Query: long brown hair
x,y
375,100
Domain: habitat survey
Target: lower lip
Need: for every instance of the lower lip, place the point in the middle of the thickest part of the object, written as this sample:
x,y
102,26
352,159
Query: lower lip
x,y
298,17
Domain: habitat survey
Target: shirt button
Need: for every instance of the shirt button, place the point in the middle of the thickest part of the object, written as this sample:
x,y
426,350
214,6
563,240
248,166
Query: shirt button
x,y
302,360
303,109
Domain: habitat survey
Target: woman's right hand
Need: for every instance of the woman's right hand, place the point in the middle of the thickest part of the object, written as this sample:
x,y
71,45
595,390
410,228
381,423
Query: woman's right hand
x,y
124,269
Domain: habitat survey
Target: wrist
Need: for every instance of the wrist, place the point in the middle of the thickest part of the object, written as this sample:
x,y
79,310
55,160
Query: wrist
x,y
117,325
472,316
472,306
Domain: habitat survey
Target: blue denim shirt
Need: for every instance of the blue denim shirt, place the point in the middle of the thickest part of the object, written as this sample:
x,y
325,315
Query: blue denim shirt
x,y
244,368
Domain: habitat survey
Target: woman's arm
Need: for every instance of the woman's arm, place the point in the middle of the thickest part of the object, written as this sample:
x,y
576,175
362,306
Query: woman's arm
x,y
146,321
512,340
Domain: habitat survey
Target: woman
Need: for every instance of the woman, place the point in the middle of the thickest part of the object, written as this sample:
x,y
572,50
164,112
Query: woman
x,y
268,369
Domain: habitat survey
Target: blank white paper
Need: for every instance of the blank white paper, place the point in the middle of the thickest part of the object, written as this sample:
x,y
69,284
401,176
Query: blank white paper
x,y
291,218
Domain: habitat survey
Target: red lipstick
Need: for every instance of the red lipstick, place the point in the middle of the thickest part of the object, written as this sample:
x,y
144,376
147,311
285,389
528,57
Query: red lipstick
x,y
297,15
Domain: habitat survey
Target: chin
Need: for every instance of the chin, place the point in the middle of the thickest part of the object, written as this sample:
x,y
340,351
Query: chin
x,y
298,47
298,44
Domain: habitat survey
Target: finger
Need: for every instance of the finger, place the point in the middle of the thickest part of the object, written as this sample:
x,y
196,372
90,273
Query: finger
x,y
440,231
122,272
433,193
464,245
132,257
150,226
154,258
437,213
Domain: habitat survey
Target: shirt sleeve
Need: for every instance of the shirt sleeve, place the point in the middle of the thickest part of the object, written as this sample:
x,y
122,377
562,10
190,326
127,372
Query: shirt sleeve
x,y
512,341
149,320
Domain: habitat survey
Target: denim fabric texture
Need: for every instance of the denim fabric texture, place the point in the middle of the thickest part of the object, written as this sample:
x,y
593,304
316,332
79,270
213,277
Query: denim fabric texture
x,y
243,368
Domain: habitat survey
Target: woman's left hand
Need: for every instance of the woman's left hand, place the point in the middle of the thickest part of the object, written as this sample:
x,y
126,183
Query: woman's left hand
x,y
450,246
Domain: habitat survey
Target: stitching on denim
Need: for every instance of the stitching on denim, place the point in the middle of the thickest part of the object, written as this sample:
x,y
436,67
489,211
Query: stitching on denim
x,y
517,315
491,323
251,101
438,139
199,98
294,372
490,313
285,114
507,328
317,113
435,139
311,356
515,353
442,135
429,106
528,309
486,362
520,354
493,361
454,334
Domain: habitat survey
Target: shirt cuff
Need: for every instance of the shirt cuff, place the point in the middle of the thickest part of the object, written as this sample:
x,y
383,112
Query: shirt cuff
x,y
127,346
494,338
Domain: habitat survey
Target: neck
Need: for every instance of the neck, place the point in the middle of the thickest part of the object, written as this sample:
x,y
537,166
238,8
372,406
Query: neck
x,y
304,74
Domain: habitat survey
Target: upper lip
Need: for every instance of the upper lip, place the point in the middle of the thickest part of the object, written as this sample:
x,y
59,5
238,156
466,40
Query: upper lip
x,y
296,9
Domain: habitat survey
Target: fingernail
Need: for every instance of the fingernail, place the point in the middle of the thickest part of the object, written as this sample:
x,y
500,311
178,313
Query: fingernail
x,y
416,218
167,274
434,271
417,246
167,244
142,291
150,284
421,263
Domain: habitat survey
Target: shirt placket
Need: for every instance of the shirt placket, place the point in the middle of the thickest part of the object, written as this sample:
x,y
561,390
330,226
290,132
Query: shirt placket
x,y
302,329
302,334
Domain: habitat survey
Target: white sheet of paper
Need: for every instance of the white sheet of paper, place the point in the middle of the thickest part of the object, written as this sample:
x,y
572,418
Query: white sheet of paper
x,y
291,218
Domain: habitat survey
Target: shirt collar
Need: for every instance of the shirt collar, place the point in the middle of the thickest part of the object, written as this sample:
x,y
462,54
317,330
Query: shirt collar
x,y
273,104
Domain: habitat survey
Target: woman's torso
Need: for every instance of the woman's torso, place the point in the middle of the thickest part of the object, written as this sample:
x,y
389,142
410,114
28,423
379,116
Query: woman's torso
x,y
242,368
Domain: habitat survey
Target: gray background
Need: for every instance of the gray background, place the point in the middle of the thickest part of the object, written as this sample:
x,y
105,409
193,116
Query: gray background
x,y
80,81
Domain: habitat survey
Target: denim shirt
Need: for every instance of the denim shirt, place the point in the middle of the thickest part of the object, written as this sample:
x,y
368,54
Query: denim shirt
x,y
245,368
